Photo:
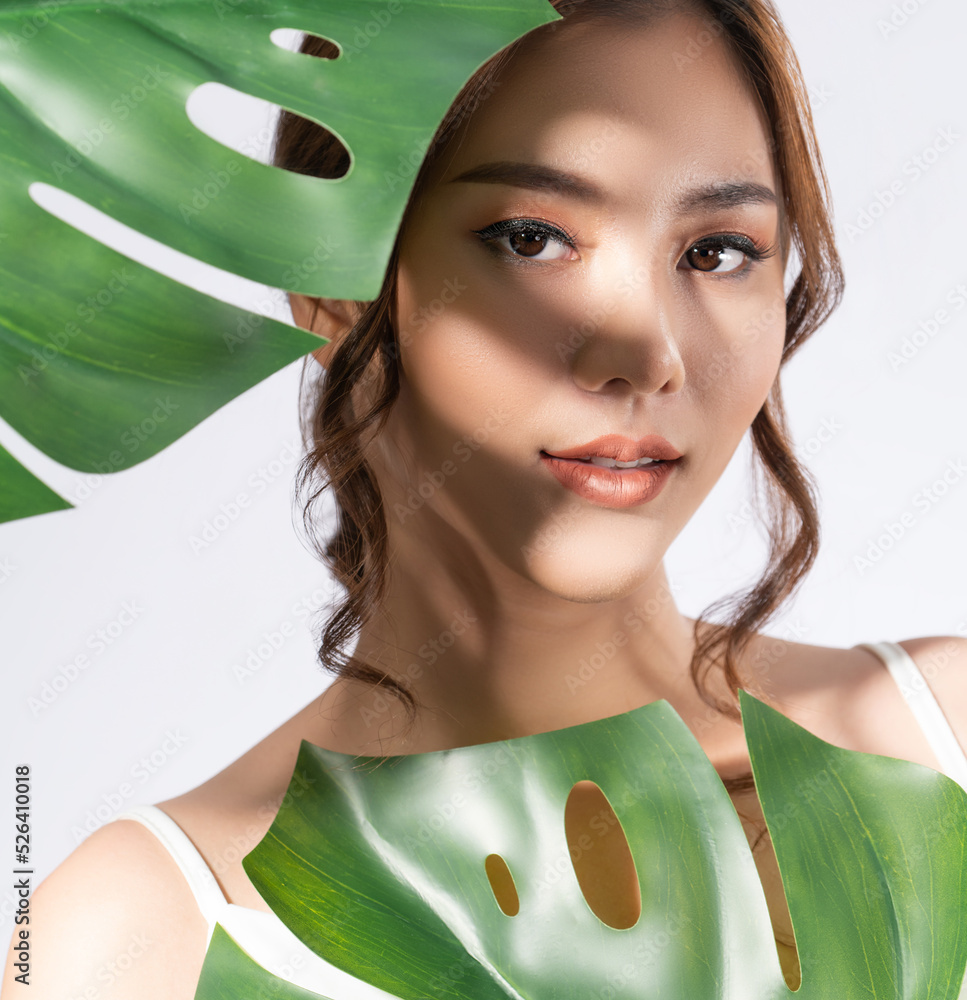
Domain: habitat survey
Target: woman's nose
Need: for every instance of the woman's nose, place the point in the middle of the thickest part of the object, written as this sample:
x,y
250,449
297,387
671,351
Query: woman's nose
x,y
628,340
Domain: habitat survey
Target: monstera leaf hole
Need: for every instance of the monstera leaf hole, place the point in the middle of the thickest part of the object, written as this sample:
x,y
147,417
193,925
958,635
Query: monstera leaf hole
x,y
181,267
601,857
292,40
502,883
217,111
337,159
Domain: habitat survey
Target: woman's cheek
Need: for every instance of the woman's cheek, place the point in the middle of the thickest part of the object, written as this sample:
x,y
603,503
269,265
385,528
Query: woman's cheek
x,y
739,363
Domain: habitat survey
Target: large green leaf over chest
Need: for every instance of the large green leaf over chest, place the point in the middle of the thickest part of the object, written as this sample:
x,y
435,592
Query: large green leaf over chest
x,y
378,865
92,101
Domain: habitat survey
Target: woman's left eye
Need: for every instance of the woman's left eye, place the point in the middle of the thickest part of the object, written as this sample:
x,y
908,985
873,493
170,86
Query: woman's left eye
x,y
528,238
724,254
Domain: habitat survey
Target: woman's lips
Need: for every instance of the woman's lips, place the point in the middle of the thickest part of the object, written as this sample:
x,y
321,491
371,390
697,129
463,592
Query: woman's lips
x,y
620,448
615,488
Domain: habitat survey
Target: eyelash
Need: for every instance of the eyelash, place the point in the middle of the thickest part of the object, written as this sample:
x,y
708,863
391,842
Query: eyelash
x,y
756,252
506,226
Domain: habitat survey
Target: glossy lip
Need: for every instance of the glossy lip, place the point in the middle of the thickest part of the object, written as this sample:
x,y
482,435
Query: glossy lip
x,y
621,449
614,488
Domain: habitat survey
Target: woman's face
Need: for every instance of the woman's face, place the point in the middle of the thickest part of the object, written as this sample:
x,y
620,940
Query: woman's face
x,y
584,263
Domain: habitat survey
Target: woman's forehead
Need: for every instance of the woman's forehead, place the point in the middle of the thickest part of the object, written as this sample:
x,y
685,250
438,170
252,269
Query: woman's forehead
x,y
624,107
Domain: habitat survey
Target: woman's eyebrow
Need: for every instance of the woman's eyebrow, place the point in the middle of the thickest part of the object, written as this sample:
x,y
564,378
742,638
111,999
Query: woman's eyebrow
x,y
725,194
717,195
534,176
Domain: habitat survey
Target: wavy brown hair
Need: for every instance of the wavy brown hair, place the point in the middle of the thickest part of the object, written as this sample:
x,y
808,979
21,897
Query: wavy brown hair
x,y
357,550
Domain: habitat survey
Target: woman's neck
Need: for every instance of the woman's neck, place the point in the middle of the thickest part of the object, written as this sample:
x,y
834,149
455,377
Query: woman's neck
x,y
489,659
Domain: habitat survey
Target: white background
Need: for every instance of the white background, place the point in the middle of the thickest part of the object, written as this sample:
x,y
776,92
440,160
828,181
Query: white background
x,y
880,99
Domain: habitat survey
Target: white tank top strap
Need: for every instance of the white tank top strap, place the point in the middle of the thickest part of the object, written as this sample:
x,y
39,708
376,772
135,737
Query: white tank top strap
x,y
262,935
209,896
927,711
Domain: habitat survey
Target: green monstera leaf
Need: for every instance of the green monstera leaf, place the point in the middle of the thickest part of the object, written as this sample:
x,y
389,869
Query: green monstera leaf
x,y
380,868
92,101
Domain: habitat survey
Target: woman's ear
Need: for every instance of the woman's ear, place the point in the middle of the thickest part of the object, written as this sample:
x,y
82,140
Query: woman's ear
x,y
330,318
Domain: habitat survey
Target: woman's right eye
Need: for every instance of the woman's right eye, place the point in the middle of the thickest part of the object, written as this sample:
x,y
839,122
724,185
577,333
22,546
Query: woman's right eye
x,y
529,239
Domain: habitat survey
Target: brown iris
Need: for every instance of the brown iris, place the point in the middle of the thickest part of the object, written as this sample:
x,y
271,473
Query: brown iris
x,y
706,258
527,242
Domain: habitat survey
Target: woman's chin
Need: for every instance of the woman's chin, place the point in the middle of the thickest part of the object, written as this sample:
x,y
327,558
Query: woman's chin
x,y
589,569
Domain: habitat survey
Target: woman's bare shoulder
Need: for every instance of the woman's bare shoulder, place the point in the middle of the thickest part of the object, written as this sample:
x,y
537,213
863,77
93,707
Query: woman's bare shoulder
x,y
117,912
115,919
848,697
942,660
230,813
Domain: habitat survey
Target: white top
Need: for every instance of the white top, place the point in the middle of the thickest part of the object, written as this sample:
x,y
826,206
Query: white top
x,y
913,686
270,943
263,935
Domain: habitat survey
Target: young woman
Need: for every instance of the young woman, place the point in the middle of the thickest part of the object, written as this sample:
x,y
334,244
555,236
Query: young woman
x,y
584,314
